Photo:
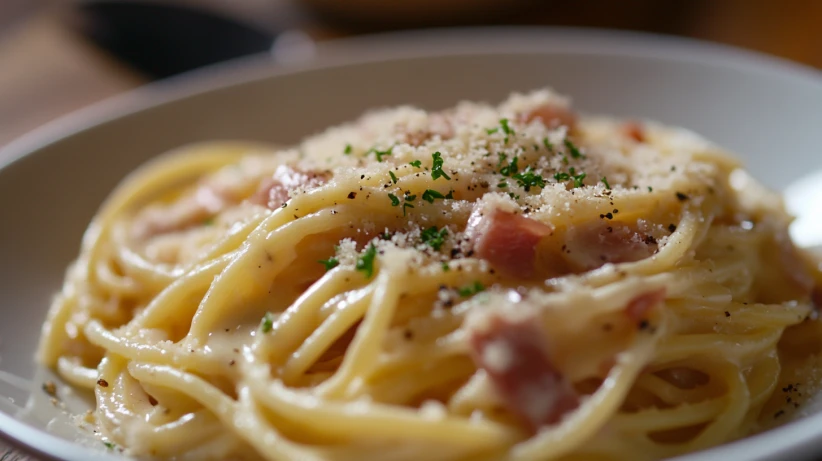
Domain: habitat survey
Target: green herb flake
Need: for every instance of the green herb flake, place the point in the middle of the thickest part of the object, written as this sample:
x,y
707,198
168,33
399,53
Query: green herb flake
x,y
491,130
578,180
394,200
650,189
573,150
561,176
576,177
109,445
471,289
329,263
445,266
506,129
382,153
547,144
393,176
528,179
605,181
430,195
433,237
365,263
510,169
267,323
348,149
450,194
436,168
416,164
410,197
502,185
405,206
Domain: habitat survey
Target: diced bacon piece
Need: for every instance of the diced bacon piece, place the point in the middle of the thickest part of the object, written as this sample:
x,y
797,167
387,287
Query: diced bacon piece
x,y
514,356
274,191
589,247
551,115
271,194
438,125
638,308
507,240
635,131
186,212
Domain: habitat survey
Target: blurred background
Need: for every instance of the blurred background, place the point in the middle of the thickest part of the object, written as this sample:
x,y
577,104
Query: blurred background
x,y
60,55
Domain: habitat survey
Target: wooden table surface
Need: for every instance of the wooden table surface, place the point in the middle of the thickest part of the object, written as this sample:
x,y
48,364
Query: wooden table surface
x,y
48,70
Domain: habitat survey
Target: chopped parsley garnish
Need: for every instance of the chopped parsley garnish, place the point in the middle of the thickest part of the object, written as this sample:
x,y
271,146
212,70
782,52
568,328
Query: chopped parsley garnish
x,y
365,263
502,158
573,150
329,263
506,129
109,445
393,176
436,168
605,181
348,149
445,266
547,144
416,164
502,185
514,197
510,169
406,205
267,323
394,200
528,179
430,195
450,194
471,289
433,237
577,177
650,189
571,175
381,153
491,130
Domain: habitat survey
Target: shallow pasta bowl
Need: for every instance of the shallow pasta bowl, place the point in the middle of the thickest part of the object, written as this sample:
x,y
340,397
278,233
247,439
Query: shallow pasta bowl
x,y
53,180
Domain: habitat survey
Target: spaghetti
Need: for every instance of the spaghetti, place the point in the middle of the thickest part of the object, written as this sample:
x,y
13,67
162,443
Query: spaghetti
x,y
511,282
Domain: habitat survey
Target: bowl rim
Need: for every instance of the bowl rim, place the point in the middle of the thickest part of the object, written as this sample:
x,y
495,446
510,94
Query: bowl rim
x,y
791,438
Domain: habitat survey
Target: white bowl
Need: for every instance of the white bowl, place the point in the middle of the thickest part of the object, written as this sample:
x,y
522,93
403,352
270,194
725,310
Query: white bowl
x,y
54,179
